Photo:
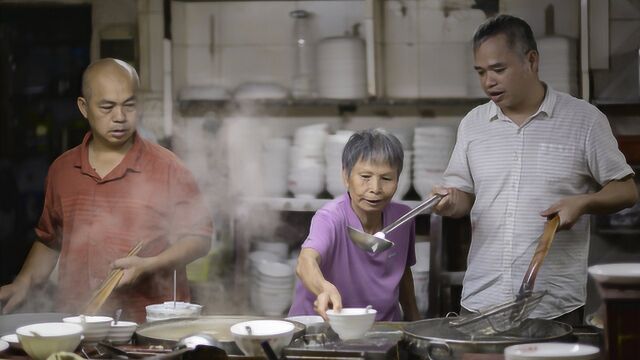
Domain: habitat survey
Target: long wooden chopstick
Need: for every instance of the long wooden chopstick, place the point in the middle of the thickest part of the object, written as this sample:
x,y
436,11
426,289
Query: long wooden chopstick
x,y
108,285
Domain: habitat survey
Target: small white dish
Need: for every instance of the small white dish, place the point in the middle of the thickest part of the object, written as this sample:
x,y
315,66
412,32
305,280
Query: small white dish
x,y
3,345
622,273
547,351
13,341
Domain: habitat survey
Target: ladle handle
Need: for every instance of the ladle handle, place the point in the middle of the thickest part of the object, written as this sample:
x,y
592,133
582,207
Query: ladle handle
x,y
427,204
550,228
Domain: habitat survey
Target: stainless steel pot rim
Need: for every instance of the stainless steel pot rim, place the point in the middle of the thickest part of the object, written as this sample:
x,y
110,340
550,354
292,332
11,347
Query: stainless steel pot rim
x,y
147,338
543,330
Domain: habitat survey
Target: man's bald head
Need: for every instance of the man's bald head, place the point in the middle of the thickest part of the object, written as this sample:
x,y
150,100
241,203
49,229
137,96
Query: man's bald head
x,y
106,65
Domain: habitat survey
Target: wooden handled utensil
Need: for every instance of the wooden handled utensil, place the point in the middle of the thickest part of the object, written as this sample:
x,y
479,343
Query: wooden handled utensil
x,y
108,285
506,316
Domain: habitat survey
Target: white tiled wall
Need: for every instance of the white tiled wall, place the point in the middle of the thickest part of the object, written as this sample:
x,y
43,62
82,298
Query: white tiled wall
x,y
426,50
229,43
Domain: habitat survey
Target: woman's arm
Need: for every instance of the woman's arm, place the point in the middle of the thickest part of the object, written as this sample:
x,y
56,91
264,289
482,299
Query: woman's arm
x,y
308,270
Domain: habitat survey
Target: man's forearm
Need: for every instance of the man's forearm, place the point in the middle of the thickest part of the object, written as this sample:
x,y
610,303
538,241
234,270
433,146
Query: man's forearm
x,y
38,265
463,204
614,196
181,253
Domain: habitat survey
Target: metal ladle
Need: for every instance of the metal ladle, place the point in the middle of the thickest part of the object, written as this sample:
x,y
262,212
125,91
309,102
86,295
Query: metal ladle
x,y
377,243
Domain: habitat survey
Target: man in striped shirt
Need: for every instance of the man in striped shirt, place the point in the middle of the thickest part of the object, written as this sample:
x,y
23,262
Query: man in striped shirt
x,y
529,153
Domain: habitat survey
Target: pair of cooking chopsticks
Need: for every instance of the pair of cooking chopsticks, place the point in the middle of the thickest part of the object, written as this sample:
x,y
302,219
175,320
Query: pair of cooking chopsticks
x,y
108,285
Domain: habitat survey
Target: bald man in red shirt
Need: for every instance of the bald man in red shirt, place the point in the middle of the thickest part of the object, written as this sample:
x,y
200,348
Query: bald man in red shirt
x,y
108,194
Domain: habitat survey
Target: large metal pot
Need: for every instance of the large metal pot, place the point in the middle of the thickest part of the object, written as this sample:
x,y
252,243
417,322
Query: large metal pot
x,y
434,339
10,322
168,332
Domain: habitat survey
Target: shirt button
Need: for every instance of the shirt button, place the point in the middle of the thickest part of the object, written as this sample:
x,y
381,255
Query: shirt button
x,y
509,214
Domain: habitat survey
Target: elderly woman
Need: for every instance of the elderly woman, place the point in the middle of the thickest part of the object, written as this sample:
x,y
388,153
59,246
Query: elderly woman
x,y
336,273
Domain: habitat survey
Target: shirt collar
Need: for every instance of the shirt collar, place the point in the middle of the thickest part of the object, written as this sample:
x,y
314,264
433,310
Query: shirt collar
x,y
133,160
546,107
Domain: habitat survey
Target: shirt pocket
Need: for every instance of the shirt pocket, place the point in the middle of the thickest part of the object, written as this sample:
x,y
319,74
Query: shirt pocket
x,y
559,164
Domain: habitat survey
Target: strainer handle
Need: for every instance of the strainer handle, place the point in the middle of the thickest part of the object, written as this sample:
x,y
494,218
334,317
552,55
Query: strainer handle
x,y
423,206
550,228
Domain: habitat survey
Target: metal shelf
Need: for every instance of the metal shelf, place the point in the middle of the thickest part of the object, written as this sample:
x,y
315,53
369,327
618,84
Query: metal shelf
x,y
203,106
295,204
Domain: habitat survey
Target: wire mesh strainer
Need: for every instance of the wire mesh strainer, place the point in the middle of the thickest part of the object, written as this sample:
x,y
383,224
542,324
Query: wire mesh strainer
x,y
499,318
509,315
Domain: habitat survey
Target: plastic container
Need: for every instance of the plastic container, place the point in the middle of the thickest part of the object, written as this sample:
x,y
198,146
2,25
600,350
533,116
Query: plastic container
x,y
167,310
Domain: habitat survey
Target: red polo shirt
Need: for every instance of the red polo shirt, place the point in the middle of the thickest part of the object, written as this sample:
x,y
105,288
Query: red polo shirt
x,y
150,196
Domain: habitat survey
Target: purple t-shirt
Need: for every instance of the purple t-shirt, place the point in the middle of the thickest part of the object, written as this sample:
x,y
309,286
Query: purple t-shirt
x,y
362,278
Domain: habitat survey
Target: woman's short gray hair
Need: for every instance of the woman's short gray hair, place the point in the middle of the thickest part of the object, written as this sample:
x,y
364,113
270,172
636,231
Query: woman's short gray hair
x,y
377,145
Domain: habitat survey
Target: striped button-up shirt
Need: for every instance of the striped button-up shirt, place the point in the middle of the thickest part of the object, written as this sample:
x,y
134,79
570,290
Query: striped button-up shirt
x,y
566,148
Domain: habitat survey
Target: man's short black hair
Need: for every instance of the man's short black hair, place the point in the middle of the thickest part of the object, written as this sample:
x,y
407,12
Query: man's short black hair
x,y
518,33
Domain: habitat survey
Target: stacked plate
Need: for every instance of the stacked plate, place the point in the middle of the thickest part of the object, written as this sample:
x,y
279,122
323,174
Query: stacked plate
x,y
559,63
404,182
432,146
333,157
95,328
271,287
275,166
279,248
306,174
420,272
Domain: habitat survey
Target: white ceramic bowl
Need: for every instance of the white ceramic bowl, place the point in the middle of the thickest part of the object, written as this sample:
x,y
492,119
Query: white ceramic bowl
x,y
624,273
167,310
278,332
12,340
95,328
351,323
547,351
51,338
121,332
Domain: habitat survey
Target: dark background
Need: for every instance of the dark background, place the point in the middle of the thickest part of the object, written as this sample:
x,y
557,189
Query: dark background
x,y
43,51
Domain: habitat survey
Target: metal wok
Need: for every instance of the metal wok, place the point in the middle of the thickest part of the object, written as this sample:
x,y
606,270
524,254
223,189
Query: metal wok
x,y
434,339
10,322
168,332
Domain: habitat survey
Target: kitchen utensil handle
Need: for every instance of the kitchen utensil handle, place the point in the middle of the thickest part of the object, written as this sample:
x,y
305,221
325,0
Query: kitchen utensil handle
x,y
427,204
550,228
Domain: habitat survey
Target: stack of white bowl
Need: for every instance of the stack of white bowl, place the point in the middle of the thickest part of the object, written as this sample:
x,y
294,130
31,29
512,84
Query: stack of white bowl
x,y
432,146
404,181
271,287
420,272
95,328
333,157
121,332
559,63
306,174
275,166
278,248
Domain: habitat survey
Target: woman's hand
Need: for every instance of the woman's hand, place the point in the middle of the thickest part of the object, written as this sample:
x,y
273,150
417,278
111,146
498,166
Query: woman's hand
x,y
329,298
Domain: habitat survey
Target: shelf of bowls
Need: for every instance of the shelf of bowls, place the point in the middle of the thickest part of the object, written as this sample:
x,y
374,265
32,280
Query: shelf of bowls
x,y
40,340
271,277
312,161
